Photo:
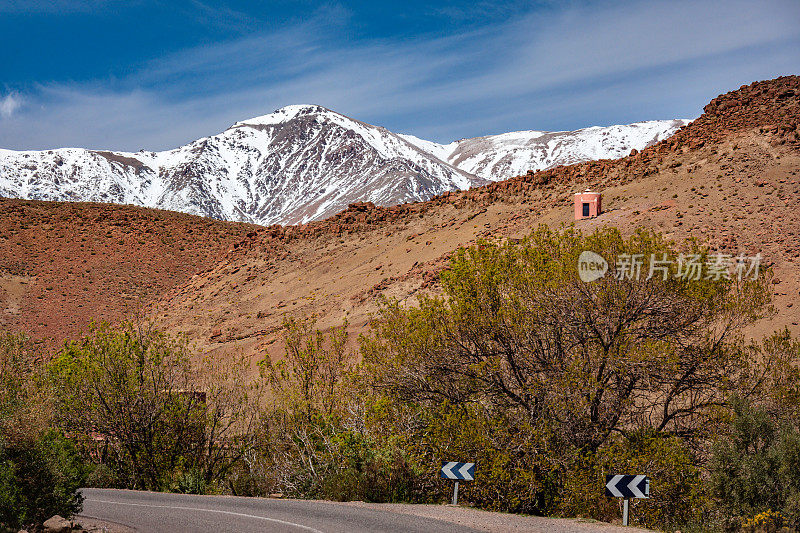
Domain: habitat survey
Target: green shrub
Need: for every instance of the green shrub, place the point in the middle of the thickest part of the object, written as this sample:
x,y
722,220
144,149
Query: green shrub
x,y
189,482
318,457
371,471
251,478
132,386
39,477
767,522
516,469
756,467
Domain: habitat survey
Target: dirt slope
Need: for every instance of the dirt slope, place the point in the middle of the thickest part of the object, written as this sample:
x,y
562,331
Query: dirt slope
x,y
730,179
64,264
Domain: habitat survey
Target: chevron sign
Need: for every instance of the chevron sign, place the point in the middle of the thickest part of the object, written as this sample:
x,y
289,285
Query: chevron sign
x,y
458,471
621,486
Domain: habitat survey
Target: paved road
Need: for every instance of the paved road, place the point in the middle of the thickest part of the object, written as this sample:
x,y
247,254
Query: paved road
x,y
151,512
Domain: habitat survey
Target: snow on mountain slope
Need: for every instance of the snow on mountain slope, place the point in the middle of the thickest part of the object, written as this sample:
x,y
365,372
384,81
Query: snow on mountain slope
x,y
498,157
298,164
303,163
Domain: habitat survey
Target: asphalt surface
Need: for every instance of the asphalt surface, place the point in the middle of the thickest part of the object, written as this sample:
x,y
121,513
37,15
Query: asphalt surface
x,y
151,512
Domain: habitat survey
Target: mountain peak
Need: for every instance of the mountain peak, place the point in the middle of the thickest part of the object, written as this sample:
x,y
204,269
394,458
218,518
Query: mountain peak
x,y
284,114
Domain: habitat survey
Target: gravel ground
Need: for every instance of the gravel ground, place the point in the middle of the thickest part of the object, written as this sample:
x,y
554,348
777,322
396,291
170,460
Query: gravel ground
x,y
501,522
95,525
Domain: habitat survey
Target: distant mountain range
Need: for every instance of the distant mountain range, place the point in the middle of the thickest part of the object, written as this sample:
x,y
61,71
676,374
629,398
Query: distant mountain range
x,y
304,163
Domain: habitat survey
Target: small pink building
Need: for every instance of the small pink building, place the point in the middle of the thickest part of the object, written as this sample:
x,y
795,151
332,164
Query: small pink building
x,y
587,204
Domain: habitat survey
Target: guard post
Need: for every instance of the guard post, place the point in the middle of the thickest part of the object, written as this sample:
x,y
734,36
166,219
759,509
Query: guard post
x,y
455,471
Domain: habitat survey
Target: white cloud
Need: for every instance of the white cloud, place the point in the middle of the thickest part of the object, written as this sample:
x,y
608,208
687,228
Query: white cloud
x,y
9,104
559,68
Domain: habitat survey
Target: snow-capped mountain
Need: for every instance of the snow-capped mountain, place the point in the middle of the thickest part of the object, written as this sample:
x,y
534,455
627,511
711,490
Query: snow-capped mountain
x,y
302,163
298,164
497,157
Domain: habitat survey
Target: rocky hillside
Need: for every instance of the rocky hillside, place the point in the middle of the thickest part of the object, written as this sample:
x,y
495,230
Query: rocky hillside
x,y
63,265
303,163
730,179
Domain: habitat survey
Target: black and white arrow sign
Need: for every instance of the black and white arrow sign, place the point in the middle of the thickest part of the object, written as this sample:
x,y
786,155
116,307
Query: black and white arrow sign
x,y
458,471
621,486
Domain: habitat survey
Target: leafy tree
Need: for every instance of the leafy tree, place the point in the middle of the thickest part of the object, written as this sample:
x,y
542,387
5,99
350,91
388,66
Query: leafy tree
x,y
17,371
306,387
321,440
309,377
518,330
160,424
231,415
131,389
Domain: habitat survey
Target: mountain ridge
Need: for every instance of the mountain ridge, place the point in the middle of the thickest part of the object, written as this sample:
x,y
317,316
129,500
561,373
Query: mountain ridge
x,y
505,155
302,163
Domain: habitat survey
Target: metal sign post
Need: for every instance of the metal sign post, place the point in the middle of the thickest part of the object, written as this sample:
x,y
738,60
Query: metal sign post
x,y
627,487
625,504
457,472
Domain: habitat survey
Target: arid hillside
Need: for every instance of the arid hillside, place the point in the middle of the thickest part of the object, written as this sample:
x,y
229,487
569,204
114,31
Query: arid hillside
x,y
65,264
730,179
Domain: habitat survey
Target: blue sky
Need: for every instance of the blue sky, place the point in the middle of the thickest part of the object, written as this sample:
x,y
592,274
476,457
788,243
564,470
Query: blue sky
x,y
150,74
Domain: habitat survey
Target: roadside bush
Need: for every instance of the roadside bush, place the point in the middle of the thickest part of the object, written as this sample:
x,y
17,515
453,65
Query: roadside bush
x,y
320,443
254,476
756,467
40,470
350,465
767,522
39,477
131,389
101,477
515,471
189,482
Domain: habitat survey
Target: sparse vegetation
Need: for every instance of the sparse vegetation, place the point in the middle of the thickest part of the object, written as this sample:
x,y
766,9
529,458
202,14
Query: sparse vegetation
x,y
546,381
560,381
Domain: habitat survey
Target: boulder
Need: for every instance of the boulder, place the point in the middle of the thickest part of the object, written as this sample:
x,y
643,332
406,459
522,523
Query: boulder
x,y
57,524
